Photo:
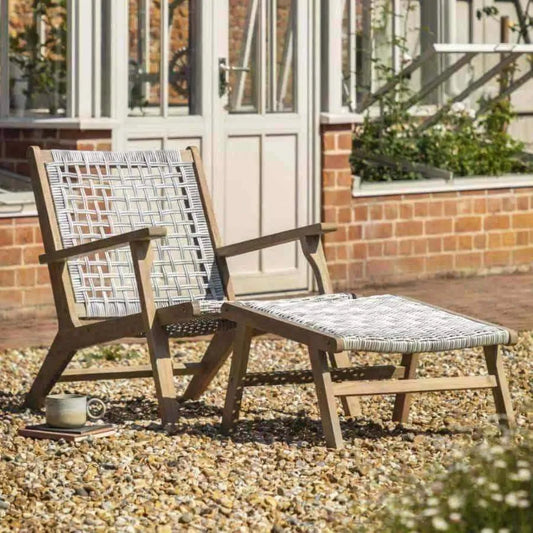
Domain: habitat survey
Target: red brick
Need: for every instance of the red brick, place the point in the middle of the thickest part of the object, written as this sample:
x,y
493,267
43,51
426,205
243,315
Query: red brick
x,y
330,251
464,242
355,232
43,277
31,254
338,271
33,133
328,178
24,235
10,256
337,197
390,248
7,278
375,212
522,203
375,249
328,141
509,238
377,230
492,222
329,214
439,263
434,244
26,277
103,146
38,296
409,227
344,214
12,133
361,213
480,206
522,238
336,161
16,149
342,252
86,146
377,268
495,240
344,178
469,260
6,236
360,250
438,226
524,220
497,258
494,205
355,271
463,224
420,246
405,246
344,141
436,209
84,134
390,211
336,236
421,209
480,241
406,211
449,243
26,221
509,203
405,265
450,208
37,236
10,298
523,255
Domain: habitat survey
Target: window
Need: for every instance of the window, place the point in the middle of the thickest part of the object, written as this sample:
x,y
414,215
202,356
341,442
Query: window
x,y
36,69
163,58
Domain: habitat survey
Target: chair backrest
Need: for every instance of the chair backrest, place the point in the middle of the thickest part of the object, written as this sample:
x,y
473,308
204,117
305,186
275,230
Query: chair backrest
x,y
100,194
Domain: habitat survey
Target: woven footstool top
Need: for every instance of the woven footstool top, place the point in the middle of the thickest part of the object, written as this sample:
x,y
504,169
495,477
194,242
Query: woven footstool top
x,y
382,323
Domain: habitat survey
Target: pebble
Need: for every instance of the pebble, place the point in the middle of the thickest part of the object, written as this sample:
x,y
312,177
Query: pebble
x,y
273,474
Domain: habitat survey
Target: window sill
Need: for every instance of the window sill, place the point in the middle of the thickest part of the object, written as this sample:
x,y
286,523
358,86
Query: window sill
x,y
475,183
59,123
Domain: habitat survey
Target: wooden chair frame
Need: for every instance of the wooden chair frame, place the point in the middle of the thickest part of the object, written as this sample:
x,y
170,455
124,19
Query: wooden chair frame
x,y
75,333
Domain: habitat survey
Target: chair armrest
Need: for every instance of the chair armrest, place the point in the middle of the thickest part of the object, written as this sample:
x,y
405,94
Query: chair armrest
x,y
107,243
267,241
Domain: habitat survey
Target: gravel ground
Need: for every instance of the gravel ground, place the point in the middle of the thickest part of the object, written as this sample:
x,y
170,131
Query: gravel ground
x,y
274,474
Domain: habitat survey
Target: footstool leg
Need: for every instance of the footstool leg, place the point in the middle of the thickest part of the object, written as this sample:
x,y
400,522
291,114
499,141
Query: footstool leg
x,y
326,399
350,404
502,397
239,363
402,404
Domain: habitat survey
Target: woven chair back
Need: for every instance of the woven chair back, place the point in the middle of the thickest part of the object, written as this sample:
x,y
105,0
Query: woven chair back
x,y
100,194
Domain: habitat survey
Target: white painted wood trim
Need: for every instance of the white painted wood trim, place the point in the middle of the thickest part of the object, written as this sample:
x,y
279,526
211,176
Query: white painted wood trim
x,y
332,59
4,59
60,123
406,187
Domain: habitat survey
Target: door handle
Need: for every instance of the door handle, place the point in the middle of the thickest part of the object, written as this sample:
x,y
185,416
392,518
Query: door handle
x,y
223,70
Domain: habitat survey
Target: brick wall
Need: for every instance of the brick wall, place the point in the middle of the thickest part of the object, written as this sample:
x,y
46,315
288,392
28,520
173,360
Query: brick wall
x,y
390,239
15,141
24,284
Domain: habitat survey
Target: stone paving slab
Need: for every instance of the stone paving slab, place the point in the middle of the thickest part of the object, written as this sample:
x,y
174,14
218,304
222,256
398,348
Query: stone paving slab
x,y
503,299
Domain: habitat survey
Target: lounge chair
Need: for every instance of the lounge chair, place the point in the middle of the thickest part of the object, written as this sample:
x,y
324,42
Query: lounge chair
x,y
133,248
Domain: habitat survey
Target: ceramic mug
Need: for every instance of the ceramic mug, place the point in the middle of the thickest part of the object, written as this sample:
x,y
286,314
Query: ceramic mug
x,y
71,410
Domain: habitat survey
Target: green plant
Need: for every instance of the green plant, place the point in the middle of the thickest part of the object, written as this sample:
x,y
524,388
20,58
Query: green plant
x,y
40,51
461,142
489,489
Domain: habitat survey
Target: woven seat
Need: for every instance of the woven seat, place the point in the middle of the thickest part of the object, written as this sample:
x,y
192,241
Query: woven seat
x,y
385,323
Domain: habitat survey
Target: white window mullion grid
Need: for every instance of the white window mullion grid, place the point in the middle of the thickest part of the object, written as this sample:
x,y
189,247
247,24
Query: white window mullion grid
x,y
163,69
287,59
97,59
4,59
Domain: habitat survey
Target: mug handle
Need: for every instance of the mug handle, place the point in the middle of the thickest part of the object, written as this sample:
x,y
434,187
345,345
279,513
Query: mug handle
x,y
101,409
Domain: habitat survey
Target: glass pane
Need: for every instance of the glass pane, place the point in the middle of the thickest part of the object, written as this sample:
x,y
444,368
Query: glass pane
x,y
144,57
280,36
181,57
243,56
37,57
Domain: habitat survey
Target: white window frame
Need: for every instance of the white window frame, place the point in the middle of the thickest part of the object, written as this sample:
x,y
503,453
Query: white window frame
x,y
85,108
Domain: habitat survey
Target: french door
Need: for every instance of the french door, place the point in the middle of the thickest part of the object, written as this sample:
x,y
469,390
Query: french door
x,y
232,77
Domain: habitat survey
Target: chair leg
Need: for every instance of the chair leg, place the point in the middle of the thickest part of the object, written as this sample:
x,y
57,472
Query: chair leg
x,y
350,404
215,356
326,399
161,361
402,404
239,364
502,397
58,357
